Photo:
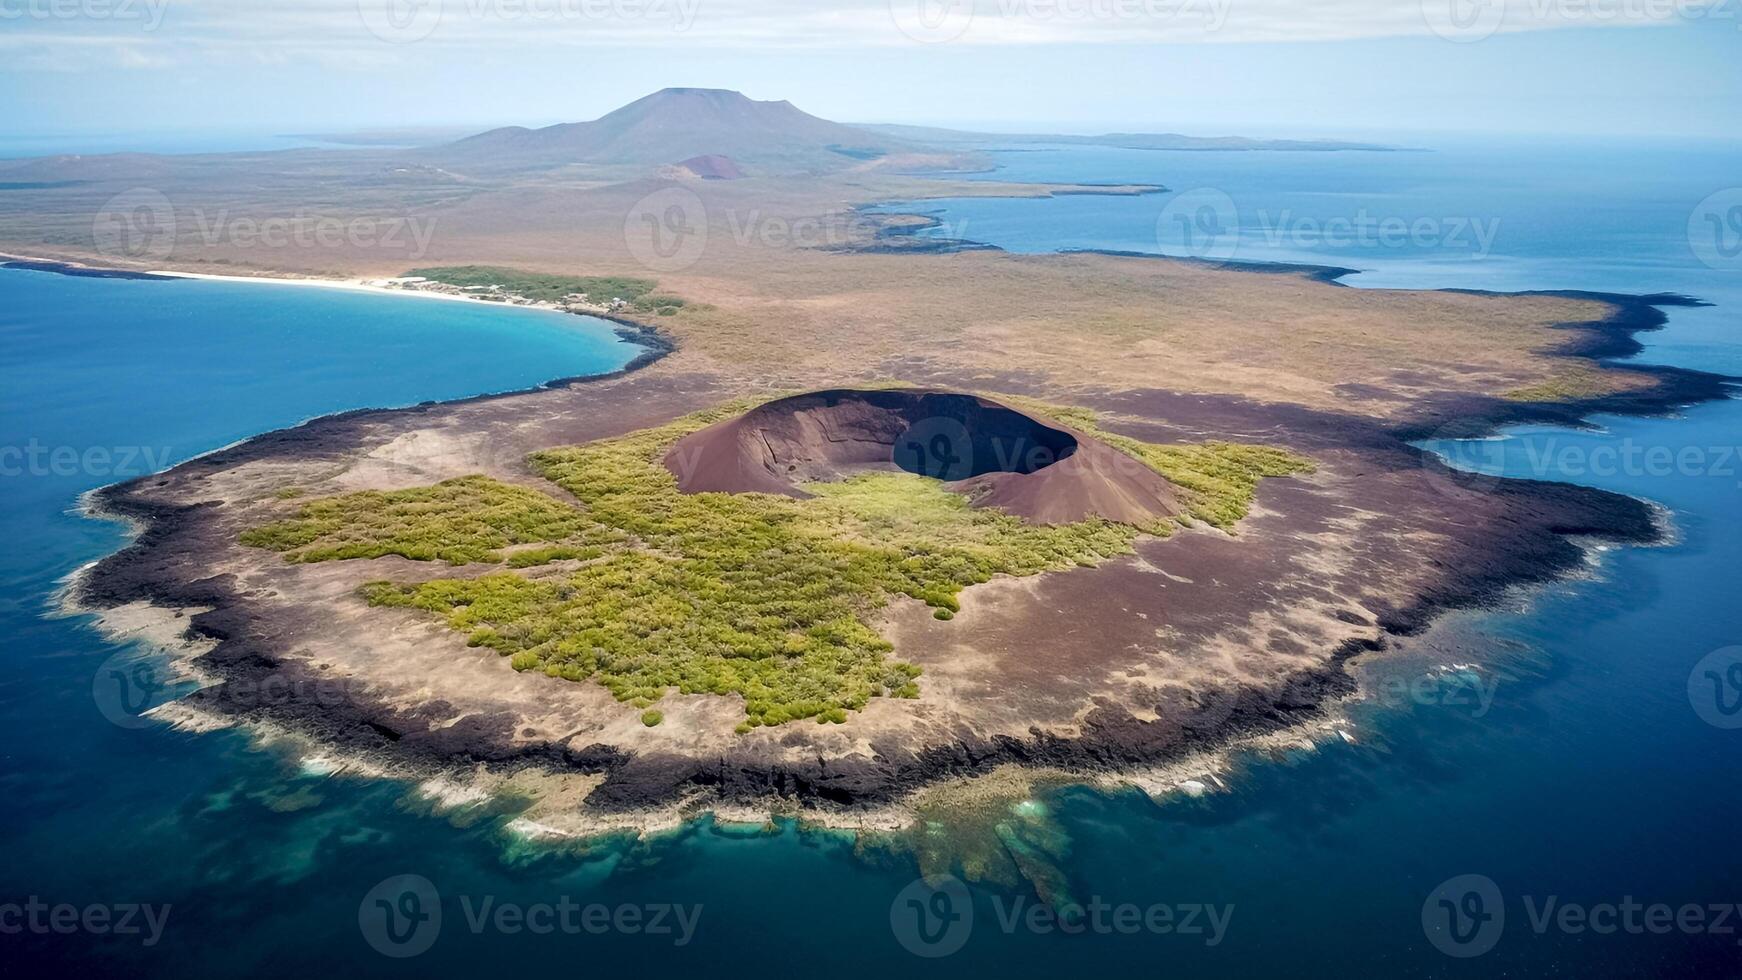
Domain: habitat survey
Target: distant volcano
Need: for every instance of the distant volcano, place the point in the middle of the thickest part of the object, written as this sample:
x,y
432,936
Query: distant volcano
x,y
680,125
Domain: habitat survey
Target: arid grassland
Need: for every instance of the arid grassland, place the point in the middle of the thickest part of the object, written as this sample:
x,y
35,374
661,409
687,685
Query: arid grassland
x,y
774,291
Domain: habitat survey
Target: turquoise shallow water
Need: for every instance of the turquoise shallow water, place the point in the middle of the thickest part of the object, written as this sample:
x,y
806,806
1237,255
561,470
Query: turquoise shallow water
x,y
1576,768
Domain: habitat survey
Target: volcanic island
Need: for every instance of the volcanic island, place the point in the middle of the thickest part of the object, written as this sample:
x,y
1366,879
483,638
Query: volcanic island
x,y
871,518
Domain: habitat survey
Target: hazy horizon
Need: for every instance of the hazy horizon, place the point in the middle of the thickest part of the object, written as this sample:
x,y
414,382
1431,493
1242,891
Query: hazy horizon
x,y
1618,68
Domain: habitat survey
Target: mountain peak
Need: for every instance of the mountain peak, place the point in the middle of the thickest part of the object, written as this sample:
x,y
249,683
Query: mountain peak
x,y
718,93
675,124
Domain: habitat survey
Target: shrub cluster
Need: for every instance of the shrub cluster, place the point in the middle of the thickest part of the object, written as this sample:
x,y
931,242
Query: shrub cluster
x,y
1220,478
638,293
470,519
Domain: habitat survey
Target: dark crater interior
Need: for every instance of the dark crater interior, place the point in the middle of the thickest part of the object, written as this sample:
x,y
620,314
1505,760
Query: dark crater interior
x,y
826,435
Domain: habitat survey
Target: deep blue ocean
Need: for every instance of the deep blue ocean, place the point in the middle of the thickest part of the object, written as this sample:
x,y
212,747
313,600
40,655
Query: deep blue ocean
x,y
1586,763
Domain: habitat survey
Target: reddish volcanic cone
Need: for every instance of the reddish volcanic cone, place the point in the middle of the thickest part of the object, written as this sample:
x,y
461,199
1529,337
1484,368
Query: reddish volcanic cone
x,y
713,166
997,456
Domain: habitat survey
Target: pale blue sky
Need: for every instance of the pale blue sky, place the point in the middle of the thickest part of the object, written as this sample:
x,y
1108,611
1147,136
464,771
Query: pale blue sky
x,y
1350,67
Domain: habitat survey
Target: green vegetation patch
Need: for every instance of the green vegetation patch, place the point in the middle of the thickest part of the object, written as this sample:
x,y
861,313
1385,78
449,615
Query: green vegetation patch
x,y
758,596
638,293
1219,478
470,519
1577,383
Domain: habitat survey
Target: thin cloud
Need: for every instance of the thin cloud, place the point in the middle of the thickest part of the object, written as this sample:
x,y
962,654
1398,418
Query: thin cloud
x,y
162,33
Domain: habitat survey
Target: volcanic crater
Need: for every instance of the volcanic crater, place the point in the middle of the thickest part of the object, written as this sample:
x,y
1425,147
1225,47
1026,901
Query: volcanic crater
x,y
995,455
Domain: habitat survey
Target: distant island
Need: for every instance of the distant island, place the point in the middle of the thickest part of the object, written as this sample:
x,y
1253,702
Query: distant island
x,y
1129,141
